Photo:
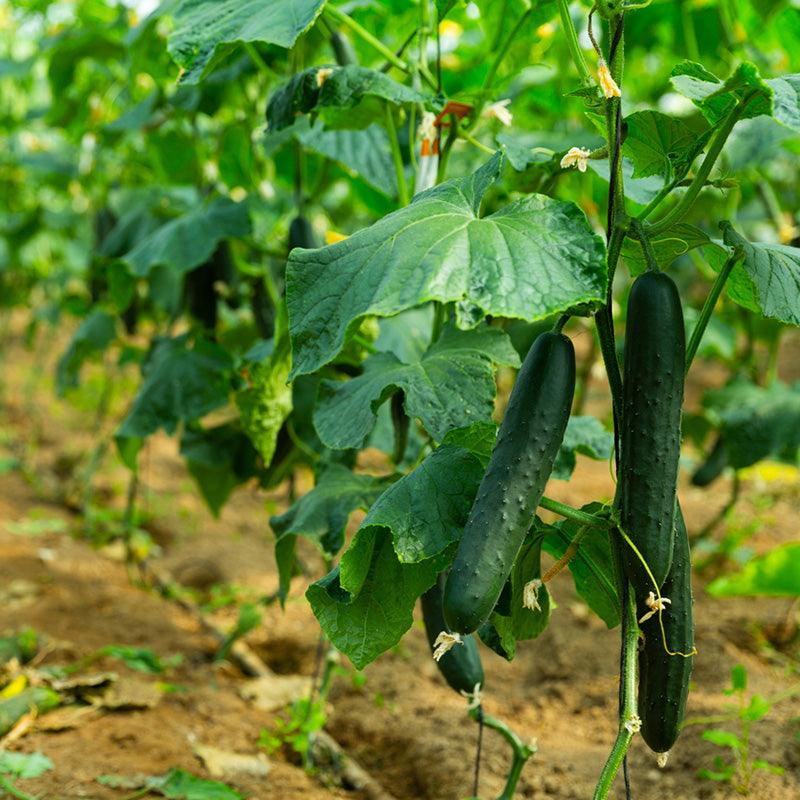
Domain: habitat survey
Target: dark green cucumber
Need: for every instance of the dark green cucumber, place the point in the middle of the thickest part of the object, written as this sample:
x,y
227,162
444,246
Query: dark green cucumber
x,y
664,679
301,234
343,49
650,433
521,462
713,466
461,667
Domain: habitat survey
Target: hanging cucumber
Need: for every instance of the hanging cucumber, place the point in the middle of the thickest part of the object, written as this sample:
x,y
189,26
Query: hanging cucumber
x,y
664,678
521,462
461,667
713,466
301,233
343,49
650,433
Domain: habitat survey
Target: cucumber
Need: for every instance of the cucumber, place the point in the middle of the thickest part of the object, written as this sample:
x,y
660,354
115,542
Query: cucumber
x,y
521,462
343,49
650,432
664,679
461,667
301,234
713,466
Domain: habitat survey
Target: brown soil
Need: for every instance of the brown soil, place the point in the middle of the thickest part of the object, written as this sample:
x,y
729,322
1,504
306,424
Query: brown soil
x,y
403,725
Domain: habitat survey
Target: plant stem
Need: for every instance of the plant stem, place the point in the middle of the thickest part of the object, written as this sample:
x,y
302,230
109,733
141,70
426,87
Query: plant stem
x,y
641,234
397,157
689,34
572,43
367,37
709,305
488,81
9,788
473,141
521,751
688,199
575,514
562,562
628,710
256,58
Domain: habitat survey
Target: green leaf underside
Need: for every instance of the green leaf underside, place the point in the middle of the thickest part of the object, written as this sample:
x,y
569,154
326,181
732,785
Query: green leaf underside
x,y
180,385
776,97
531,259
584,435
188,241
321,515
755,422
340,92
592,566
364,626
658,144
774,274
203,27
451,386
775,574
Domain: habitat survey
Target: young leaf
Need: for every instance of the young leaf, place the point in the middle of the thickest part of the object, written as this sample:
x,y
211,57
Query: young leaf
x,y
531,259
667,246
723,739
449,387
24,765
205,30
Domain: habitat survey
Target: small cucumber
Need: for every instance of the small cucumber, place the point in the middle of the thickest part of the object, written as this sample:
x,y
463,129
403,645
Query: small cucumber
x,y
650,433
301,233
508,496
664,679
713,466
461,667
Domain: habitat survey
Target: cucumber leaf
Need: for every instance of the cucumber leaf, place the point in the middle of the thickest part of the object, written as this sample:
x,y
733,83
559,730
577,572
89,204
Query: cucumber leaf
x,y
528,260
91,339
449,387
668,245
206,30
584,435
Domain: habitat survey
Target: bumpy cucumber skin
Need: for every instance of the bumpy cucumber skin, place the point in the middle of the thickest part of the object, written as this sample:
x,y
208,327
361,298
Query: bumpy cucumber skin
x,y
664,679
713,466
461,667
521,462
650,435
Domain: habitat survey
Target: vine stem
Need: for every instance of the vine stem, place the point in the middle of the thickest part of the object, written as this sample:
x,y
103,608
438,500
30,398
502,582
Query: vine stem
x,y
575,514
639,232
699,180
709,305
572,43
521,751
397,157
627,726
9,788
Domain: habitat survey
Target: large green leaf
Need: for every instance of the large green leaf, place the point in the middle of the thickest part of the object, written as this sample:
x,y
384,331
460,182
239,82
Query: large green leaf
x,y
321,515
775,574
205,29
266,402
531,259
451,386
776,97
93,336
219,459
367,624
658,144
189,240
774,272
427,509
755,421
584,435
592,565
180,385
340,89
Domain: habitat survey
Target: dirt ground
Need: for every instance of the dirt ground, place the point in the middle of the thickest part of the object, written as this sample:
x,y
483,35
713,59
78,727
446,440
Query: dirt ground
x,y
402,723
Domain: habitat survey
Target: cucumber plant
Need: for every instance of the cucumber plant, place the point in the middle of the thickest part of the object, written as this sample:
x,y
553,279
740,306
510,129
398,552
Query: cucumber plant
x,y
479,215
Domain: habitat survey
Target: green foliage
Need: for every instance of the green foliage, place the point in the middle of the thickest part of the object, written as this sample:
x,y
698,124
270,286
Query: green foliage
x,y
775,574
24,765
177,784
750,709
